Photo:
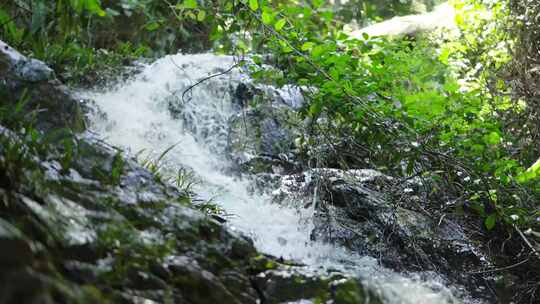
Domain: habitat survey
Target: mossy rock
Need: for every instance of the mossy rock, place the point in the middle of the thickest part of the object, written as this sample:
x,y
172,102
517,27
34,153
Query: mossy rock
x,y
32,82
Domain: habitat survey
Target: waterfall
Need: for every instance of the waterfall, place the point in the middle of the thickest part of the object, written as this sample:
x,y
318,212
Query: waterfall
x,y
136,116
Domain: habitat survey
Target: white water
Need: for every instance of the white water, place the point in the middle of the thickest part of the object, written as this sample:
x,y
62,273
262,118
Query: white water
x,y
442,17
138,118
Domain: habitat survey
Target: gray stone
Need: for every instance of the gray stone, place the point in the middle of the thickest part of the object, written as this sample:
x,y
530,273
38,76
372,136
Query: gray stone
x,y
262,132
356,209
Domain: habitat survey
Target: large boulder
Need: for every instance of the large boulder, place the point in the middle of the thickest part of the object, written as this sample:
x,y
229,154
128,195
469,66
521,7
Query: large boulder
x,y
374,214
257,132
33,84
286,283
261,135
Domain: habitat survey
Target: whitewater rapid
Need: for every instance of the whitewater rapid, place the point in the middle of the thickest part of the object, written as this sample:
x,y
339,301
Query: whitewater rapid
x,y
136,116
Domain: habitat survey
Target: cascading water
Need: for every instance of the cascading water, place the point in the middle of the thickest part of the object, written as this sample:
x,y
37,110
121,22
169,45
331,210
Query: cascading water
x,y
136,116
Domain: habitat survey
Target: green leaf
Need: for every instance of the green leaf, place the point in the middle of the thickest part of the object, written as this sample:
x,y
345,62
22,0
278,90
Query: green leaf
x,y
492,138
317,3
190,4
94,8
280,24
490,221
201,15
242,45
267,18
535,167
257,60
152,26
254,5
530,174
307,46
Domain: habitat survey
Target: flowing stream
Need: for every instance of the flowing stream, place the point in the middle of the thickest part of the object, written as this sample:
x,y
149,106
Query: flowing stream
x,y
136,116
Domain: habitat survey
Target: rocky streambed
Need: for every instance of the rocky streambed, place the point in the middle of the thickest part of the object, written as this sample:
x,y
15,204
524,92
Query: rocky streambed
x,y
81,221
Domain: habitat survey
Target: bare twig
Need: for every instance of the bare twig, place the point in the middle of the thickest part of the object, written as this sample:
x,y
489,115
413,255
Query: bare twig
x,y
190,88
527,241
500,269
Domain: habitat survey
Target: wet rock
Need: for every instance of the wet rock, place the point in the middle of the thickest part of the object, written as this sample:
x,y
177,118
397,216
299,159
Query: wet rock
x,y
16,288
287,284
243,95
25,69
27,286
196,282
132,239
82,272
248,94
356,209
258,137
269,164
142,280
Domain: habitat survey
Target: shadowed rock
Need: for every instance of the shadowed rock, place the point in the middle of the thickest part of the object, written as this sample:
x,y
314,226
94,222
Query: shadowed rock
x,y
81,223
32,83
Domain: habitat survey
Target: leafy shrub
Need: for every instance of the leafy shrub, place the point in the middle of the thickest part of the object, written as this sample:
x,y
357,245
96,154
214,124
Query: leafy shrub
x,y
81,37
437,107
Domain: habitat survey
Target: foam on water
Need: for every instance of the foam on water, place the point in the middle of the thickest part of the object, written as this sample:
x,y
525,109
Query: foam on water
x,y
138,117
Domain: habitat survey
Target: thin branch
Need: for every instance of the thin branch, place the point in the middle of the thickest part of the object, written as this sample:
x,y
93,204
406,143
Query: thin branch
x,y
500,269
527,241
190,88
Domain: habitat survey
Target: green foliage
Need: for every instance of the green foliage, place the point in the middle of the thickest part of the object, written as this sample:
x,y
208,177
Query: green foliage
x,y
438,109
531,174
83,39
131,249
117,168
435,104
52,31
108,175
15,115
156,165
184,179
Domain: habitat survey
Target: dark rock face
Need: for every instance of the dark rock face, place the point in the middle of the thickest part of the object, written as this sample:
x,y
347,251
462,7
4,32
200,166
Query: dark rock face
x,y
80,223
133,240
261,135
363,210
134,235
260,131
355,208
31,81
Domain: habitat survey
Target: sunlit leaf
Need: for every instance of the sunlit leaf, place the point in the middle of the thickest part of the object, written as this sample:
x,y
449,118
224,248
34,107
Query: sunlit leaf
x,y
492,138
280,24
267,18
254,5
152,26
201,15
307,46
94,7
191,4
